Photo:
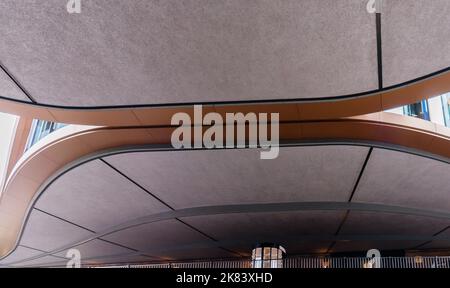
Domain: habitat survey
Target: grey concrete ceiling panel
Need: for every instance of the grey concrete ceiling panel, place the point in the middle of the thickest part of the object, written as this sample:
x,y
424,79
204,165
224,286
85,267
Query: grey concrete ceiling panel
x,y
220,177
144,52
268,227
157,236
45,232
416,37
371,223
402,179
95,196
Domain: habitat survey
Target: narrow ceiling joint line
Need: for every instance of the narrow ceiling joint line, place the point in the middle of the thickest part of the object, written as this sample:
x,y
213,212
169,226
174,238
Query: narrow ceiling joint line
x,y
25,91
28,247
338,230
379,51
330,247
42,251
151,256
231,251
117,244
137,184
197,230
62,219
420,245
360,174
441,231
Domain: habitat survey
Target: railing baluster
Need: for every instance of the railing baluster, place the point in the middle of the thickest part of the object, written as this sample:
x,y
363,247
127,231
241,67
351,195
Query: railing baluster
x,y
309,262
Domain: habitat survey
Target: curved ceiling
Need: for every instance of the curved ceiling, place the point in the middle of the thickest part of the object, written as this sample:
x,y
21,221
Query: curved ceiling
x,y
49,186
144,206
72,144
152,52
311,61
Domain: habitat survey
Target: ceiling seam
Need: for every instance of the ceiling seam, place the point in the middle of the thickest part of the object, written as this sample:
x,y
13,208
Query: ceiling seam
x,y
157,198
65,220
28,247
17,83
441,231
420,245
361,172
135,183
206,235
428,242
117,244
350,198
379,50
333,243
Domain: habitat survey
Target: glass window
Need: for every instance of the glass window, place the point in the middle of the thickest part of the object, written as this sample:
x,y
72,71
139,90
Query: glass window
x,y
267,256
446,108
419,110
40,129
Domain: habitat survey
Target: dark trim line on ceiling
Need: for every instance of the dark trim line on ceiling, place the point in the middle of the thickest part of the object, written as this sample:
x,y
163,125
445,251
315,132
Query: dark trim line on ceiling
x,y
76,225
338,230
379,51
28,247
135,183
355,187
441,231
421,245
206,235
197,230
39,250
64,220
18,84
428,242
117,244
238,102
285,144
361,172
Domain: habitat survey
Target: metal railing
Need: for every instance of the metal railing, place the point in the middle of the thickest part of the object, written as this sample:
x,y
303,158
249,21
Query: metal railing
x,y
313,263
